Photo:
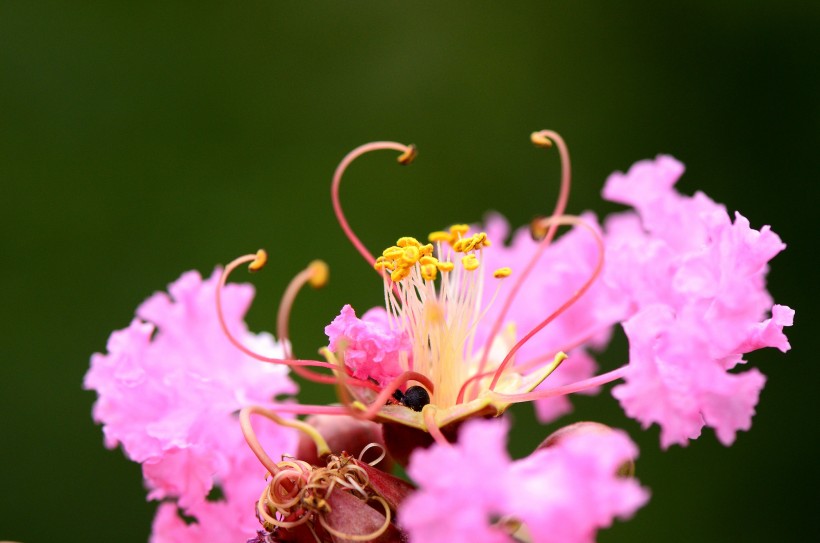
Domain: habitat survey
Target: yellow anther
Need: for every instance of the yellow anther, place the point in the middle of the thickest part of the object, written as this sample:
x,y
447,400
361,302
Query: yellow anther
x,y
393,253
425,260
410,256
429,272
399,274
459,229
409,155
459,244
383,263
540,140
502,272
259,262
470,262
426,250
407,241
445,266
319,273
435,237
537,229
481,240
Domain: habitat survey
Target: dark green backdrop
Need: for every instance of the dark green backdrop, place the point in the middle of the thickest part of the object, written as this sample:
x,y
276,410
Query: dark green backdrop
x,y
142,139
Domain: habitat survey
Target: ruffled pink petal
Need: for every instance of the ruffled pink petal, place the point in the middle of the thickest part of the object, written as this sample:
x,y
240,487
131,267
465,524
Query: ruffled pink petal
x,y
372,350
562,494
695,281
769,333
169,388
567,492
461,488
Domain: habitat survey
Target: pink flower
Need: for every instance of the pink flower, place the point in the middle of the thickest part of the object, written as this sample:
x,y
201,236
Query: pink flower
x,y
473,491
371,348
168,390
696,283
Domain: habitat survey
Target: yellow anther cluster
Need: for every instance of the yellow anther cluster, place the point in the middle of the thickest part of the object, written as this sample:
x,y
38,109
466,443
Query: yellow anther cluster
x,y
400,259
471,243
457,231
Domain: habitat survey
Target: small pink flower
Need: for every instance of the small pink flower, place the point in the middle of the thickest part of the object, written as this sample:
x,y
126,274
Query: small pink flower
x,y
371,348
473,492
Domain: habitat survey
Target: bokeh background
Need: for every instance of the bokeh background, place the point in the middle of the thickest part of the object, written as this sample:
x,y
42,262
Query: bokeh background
x,y
142,139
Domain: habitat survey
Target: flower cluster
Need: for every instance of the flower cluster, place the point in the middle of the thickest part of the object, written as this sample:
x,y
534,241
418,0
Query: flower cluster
x,y
469,328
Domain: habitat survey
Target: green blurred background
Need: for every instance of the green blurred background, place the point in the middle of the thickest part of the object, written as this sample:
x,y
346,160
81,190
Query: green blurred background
x,y
142,139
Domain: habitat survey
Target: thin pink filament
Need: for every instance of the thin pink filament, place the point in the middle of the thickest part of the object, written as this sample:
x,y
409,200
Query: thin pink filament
x,y
288,362
253,441
571,388
566,305
286,305
560,206
337,180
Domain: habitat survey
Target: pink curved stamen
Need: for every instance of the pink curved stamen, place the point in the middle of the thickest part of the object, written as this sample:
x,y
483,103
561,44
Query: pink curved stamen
x,y
285,307
566,348
571,388
406,150
253,441
566,220
599,265
294,364
560,206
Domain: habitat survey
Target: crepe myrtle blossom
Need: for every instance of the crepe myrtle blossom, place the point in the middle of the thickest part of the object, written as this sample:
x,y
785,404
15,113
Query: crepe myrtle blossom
x,y
168,391
471,326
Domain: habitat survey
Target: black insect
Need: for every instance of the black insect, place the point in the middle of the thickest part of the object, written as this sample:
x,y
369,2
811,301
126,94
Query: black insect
x,y
415,397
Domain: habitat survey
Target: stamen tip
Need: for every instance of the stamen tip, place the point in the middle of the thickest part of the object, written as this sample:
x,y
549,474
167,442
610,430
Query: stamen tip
x,y
540,140
409,155
319,273
500,273
259,262
538,230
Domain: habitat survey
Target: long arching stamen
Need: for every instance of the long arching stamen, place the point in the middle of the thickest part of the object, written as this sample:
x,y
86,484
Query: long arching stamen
x,y
256,262
316,274
565,220
543,138
539,360
572,299
253,442
250,435
565,348
407,156
571,388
